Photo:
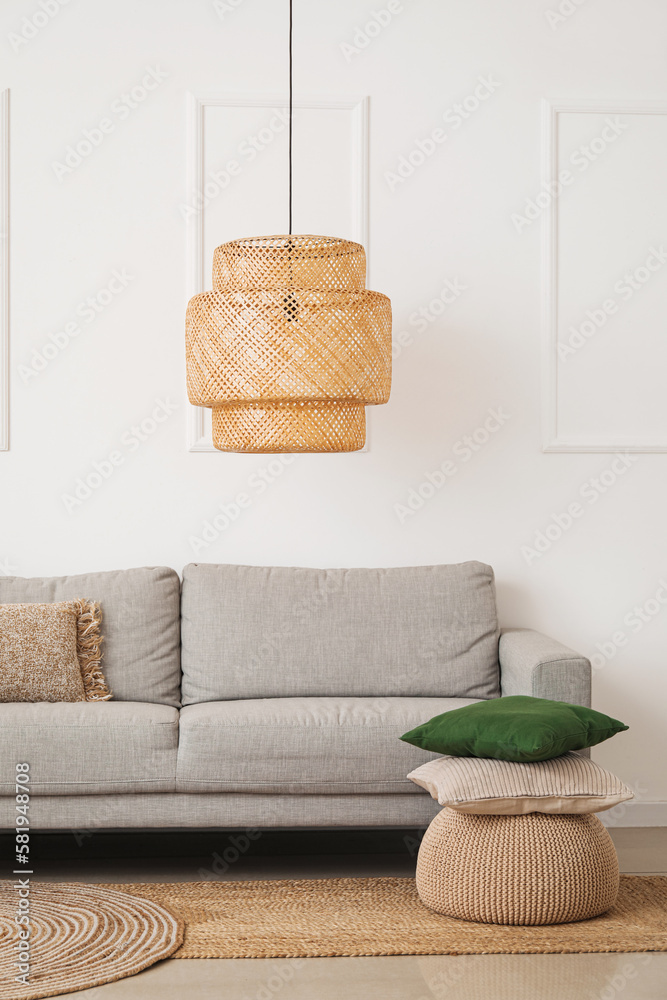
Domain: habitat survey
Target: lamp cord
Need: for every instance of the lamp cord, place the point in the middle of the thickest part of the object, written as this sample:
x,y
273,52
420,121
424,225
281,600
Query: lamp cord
x,y
290,117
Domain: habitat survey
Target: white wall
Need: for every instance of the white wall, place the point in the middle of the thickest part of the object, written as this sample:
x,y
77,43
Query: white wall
x,y
452,220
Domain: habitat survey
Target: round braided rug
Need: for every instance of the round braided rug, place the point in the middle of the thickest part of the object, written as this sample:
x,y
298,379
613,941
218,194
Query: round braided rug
x,y
81,936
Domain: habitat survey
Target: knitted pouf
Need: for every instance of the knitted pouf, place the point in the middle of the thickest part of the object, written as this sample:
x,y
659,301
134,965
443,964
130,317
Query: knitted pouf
x,y
529,869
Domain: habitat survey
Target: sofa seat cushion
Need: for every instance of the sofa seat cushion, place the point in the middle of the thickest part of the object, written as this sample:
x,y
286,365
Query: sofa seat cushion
x,y
303,745
77,748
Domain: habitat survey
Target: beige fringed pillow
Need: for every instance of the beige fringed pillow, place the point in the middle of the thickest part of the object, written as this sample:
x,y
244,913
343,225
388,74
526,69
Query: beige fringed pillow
x,y
51,652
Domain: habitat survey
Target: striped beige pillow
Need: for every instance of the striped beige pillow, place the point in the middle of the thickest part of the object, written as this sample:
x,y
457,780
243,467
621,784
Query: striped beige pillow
x,y
51,652
565,784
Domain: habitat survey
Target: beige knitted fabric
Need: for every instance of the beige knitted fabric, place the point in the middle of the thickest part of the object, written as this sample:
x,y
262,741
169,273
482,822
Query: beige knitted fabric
x,y
566,784
532,869
51,652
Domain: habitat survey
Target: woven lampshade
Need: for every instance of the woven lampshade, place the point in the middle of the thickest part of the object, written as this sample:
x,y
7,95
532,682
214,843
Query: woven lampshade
x,y
289,347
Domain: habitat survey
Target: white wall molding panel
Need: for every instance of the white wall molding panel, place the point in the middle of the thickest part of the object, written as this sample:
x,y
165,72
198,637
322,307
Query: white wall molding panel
x,y
237,183
604,198
4,270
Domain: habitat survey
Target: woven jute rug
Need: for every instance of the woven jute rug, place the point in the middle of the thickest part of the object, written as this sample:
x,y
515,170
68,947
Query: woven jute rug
x,y
80,936
384,916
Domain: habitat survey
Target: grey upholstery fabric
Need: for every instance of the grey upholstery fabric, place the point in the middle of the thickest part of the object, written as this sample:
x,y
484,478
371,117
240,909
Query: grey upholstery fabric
x,y
312,746
88,747
257,632
534,664
140,624
83,814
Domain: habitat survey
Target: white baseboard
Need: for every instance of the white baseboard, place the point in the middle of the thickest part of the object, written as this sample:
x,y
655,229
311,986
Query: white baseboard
x,y
635,814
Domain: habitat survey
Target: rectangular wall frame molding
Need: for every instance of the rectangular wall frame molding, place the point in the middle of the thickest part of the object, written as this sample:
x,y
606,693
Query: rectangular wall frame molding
x,y
553,437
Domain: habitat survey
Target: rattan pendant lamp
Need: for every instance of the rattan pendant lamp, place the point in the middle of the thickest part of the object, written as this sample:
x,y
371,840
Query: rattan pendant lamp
x,y
289,347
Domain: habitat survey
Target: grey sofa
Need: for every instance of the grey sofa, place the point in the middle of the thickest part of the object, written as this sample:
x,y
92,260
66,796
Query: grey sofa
x,y
257,697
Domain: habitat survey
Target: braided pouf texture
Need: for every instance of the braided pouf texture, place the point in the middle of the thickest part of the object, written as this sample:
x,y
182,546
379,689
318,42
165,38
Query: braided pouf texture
x,y
529,869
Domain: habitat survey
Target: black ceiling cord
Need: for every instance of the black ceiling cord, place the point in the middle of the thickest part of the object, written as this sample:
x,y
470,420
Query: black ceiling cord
x,y
290,303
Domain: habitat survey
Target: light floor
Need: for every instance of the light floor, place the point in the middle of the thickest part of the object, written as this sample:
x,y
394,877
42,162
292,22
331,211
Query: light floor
x,y
466,977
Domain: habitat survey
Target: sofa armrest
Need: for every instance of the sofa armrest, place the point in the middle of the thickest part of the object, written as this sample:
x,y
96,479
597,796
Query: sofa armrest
x,y
534,664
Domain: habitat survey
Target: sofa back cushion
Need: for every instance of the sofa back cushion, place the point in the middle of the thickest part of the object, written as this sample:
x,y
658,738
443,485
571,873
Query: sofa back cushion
x,y
260,632
140,625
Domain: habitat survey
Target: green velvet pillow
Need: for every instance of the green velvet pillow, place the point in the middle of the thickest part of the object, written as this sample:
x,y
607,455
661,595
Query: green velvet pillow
x,y
514,728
